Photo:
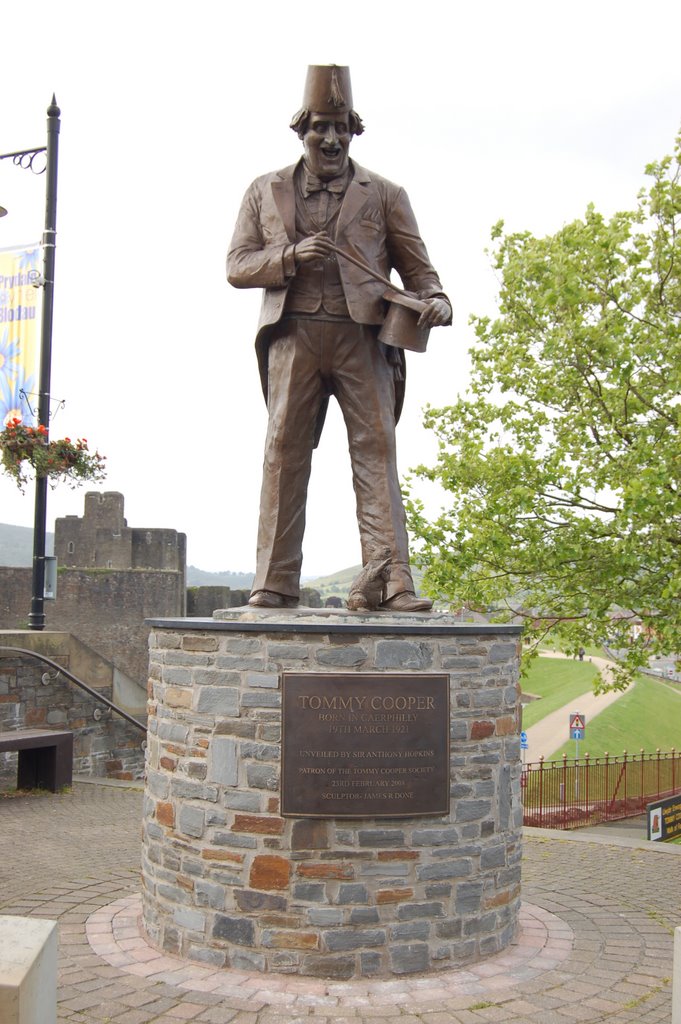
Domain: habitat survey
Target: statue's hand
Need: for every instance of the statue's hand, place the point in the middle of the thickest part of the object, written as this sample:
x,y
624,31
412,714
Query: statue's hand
x,y
437,313
314,247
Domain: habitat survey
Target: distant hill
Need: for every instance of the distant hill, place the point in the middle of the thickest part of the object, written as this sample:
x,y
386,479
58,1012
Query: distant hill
x,y
233,580
338,583
16,545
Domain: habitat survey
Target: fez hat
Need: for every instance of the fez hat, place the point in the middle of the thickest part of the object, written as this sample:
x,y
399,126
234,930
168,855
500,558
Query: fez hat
x,y
328,89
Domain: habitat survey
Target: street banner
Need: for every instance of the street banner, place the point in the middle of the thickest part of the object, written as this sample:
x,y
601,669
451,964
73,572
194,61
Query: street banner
x,y
19,326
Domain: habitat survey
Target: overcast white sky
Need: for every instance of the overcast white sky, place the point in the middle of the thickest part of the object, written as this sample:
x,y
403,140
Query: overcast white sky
x,y
525,110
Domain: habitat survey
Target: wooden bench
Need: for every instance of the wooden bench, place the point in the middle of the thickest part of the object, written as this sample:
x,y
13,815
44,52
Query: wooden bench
x,y
45,757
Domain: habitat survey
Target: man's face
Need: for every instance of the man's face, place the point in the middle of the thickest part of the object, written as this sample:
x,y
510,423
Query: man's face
x,y
326,144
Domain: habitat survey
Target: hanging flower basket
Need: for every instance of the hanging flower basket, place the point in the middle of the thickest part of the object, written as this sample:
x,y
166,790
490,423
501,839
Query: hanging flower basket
x,y
29,447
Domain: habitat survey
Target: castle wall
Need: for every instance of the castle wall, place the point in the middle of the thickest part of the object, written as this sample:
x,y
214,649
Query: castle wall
x,y
101,538
105,608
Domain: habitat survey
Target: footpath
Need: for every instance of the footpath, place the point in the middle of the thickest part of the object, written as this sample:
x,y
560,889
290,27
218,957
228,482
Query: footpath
x,y
595,943
549,735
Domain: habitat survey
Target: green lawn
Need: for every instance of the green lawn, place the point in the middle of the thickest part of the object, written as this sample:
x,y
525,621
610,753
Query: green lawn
x,y
557,681
648,716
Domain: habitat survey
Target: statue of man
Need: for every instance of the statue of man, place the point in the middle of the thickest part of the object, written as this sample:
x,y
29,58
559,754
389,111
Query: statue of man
x,y
318,334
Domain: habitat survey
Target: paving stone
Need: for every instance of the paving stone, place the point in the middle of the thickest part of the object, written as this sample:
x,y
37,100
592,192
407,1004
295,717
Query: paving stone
x,y
88,857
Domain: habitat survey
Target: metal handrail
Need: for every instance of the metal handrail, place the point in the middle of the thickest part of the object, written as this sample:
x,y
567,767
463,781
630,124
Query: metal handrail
x,y
77,682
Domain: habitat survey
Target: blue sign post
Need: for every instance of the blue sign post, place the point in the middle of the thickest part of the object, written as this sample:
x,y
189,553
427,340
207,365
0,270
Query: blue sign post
x,y
523,745
577,729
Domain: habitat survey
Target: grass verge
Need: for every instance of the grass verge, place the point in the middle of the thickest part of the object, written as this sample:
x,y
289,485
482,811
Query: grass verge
x,y
557,681
648,716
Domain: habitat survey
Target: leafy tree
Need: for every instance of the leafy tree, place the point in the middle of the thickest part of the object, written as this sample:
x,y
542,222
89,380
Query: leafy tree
x,y
562,463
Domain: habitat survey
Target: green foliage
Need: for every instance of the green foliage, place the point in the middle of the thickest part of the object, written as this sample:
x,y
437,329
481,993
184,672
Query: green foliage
x,y
562,464
648,716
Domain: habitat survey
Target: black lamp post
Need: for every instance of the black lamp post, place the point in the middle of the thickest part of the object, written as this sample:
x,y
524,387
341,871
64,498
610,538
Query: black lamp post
x,y
24,158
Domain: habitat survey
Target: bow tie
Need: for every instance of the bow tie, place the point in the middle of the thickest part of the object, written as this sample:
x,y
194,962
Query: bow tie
x,y
315,184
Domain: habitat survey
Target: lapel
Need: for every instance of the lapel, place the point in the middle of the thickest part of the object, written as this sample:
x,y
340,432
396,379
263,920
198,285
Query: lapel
x,y
283,194
285,200
355,198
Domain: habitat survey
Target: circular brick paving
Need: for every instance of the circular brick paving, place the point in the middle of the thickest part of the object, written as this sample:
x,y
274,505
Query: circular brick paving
x,y
115,934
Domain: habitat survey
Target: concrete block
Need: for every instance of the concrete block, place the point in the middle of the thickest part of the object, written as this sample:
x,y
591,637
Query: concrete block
x,y
28,970
676,980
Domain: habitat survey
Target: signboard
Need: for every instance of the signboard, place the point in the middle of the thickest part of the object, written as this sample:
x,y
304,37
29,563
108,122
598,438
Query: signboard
x,y
364,745
664,819
523,741
19,322
577,726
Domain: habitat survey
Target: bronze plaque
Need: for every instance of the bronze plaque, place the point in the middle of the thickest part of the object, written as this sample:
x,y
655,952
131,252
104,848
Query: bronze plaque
x,y
364,746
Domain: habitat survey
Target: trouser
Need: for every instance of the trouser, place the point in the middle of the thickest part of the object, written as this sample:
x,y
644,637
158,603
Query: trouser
x,y
308,360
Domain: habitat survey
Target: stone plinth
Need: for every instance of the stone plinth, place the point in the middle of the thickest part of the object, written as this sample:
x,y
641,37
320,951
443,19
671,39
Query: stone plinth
x,y
28,971
228,881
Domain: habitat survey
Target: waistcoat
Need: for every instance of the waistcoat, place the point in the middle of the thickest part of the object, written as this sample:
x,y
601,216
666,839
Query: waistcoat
x,y
316,287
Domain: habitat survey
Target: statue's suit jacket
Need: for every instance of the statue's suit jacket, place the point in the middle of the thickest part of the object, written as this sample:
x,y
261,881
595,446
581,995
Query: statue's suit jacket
x,y
375,224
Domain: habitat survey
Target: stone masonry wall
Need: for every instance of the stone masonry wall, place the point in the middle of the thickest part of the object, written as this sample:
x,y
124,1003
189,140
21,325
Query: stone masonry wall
x,y
105,608
110,747
230,882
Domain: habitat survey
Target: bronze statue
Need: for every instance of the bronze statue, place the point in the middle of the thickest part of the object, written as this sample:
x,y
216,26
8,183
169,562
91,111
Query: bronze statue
x,y
318,334
367,590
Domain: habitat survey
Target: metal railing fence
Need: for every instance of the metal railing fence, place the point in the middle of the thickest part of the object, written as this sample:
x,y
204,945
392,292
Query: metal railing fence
x,y
43,659
572,793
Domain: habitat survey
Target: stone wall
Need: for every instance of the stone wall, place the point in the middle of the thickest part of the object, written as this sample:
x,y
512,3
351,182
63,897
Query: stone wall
x,y
101,538
33,696
105,608
230,882
203,601
15,597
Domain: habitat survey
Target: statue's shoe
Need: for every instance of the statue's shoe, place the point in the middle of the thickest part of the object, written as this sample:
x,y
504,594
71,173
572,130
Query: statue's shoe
x,y
269,599
406,602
